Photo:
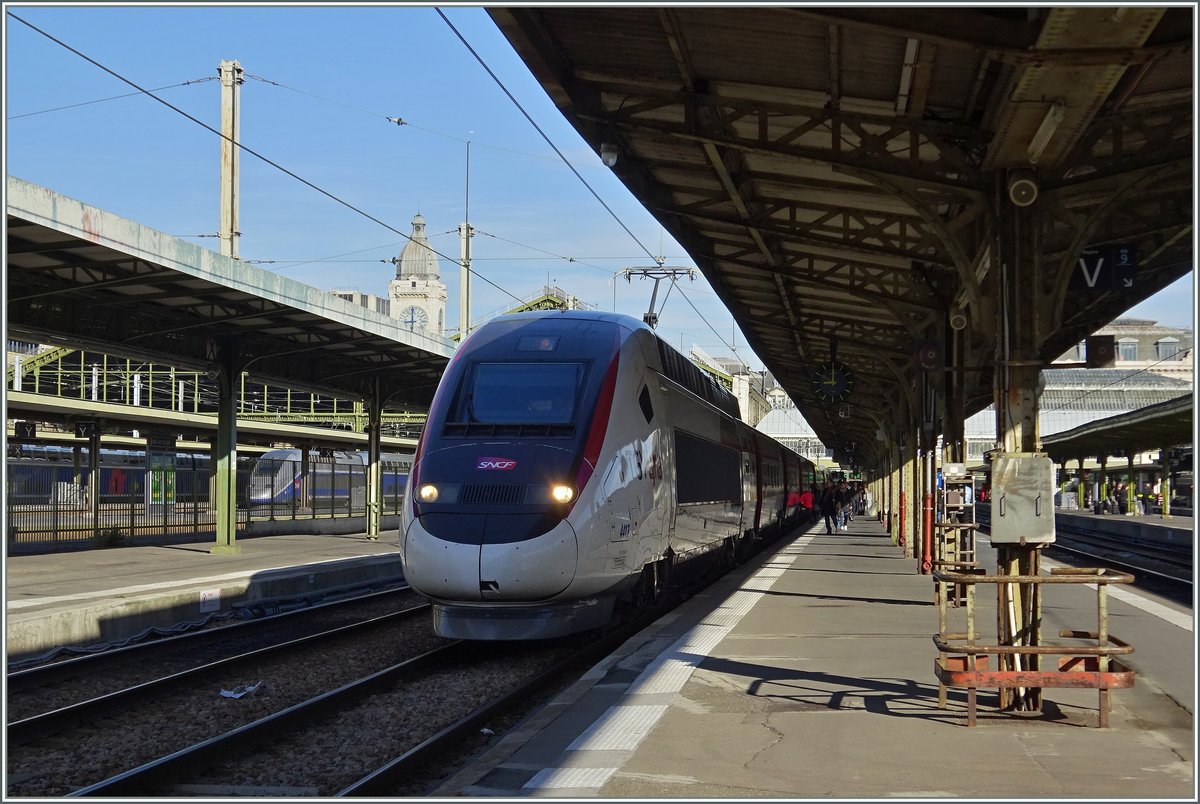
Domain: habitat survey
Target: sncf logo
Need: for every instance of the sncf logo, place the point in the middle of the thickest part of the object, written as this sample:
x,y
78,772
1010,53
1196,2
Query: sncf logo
x,y
496,464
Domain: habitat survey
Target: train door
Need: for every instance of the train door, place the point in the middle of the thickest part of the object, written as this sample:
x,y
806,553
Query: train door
x,y
759,493
654,494
792,487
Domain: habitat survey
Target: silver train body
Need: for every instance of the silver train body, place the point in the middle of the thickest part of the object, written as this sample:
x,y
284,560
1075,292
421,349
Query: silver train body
x,y
572,461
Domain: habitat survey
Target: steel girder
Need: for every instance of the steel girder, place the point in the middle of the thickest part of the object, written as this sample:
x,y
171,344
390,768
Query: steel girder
x,y
840,174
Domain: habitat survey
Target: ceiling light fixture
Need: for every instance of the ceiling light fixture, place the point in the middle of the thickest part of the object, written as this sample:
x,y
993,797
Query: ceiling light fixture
x,y
608,153
1054,116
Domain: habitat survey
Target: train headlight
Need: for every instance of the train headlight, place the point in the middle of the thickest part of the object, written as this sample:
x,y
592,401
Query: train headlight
x,y
441,493
550,494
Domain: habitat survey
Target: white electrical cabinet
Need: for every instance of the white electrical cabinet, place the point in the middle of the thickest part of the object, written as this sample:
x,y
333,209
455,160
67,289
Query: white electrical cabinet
x,y
1022,499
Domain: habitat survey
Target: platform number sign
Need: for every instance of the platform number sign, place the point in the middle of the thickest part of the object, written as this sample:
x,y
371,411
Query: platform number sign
x,y
1107,267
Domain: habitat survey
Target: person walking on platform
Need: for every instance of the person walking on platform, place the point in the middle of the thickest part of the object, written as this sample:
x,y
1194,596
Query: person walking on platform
x,y
829,505
845,499
808,504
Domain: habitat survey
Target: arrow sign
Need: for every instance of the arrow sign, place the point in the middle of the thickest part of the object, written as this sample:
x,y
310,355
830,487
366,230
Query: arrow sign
x,y
1124,258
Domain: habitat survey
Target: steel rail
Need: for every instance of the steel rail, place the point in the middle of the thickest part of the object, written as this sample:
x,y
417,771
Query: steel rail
x,y
164,771
21,680
384,780
24,731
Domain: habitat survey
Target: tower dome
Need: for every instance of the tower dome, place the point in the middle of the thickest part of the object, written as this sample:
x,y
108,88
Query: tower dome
x,y
418,294
417,258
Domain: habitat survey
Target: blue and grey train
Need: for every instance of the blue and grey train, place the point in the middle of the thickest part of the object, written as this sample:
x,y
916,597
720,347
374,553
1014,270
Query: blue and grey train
x,y
335,479
574,463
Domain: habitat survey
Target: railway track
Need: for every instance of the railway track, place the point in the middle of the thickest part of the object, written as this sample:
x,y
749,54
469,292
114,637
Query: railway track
x,y
1109,554
391,733
1164,562
386,709
61,749
57,681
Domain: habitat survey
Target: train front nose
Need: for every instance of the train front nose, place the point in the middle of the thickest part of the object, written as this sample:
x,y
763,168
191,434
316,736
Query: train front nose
x,y
498,557
488,526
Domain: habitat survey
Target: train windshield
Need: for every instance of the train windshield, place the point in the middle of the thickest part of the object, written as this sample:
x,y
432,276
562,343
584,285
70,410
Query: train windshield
x,y
521,393
266,467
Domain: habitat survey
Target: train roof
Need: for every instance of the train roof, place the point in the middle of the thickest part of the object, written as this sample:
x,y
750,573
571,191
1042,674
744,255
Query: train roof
x,y
294,452
578,315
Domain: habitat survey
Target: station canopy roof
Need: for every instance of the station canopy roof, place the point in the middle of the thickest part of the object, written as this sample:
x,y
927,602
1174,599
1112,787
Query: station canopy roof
x,y
80,276
835,172
1164,425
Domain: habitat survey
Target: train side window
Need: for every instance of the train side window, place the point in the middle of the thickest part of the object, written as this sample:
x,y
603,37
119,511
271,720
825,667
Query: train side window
x,y
644,401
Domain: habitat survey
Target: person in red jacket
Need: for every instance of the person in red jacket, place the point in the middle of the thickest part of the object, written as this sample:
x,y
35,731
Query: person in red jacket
x,y
808,502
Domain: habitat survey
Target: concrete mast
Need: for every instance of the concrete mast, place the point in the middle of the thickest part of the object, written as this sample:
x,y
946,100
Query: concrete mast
x,y
231,116
464,234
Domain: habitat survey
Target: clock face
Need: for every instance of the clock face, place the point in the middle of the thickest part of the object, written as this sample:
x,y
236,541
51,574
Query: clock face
x,y
414,317
833,381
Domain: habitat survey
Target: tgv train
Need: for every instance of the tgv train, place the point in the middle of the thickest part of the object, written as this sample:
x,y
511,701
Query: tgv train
x,y
574,460
338,479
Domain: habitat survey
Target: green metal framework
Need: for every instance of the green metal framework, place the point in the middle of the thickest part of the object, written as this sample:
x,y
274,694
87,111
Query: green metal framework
x,y
76,374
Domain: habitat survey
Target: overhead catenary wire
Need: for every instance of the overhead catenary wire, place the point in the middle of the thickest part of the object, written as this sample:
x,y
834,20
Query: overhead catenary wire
x,y
247,149
710,326
533,123
575,260
111,98
401,121
284,264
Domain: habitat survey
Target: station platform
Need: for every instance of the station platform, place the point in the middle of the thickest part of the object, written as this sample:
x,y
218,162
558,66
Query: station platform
x,y
809,673
94,597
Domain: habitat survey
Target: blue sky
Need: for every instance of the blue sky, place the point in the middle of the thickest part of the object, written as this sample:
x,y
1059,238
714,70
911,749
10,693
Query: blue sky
x,y
338,73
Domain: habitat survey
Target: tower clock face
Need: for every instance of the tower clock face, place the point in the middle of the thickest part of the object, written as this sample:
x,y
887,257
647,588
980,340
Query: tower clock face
x,y
833,381
414,318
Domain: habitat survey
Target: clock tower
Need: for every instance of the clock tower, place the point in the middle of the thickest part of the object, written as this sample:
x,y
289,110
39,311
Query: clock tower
x,y
418,294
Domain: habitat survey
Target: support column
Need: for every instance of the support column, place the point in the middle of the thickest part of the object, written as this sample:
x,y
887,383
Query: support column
x,y
1084,488
895,485
1063,479
1022,313
374,476
928,487
954,439
909,503
94,487
1102,494
228,369
916,501
306,479
1130,505
1164,457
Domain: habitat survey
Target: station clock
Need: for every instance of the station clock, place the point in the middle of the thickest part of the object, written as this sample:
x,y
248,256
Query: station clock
x,y
414,317
833,381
